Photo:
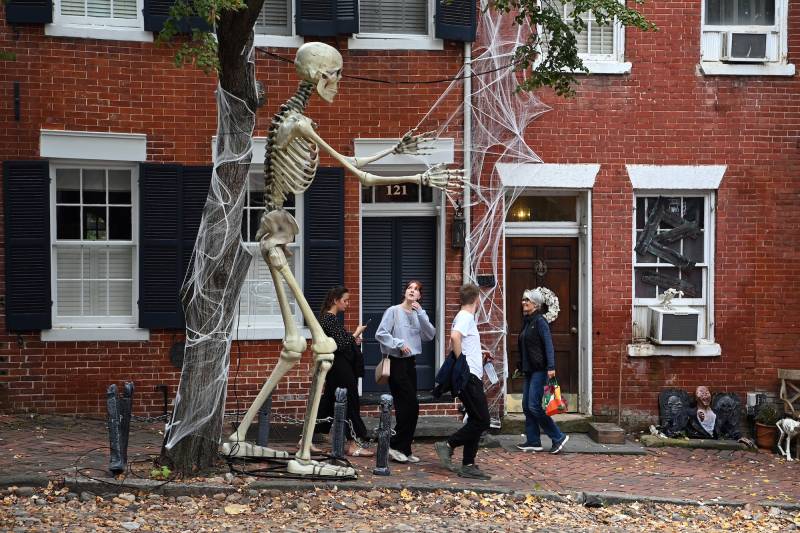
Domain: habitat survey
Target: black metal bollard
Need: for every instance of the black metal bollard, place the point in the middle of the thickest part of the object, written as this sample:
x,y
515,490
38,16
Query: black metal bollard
x,y
263,422
384,433
339,423
125,407
116,463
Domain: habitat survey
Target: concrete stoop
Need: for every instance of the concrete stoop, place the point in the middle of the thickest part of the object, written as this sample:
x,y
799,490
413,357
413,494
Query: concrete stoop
x,y
514,423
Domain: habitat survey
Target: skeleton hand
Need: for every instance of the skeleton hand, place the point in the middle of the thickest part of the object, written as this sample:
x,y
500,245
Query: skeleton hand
x,y
415,144
441,177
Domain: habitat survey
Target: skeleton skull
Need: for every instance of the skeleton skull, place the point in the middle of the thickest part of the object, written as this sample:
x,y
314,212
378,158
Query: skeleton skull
x,y
320,64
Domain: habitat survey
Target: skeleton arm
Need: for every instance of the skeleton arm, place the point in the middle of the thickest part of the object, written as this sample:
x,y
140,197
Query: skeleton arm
x,y
410,144
437,176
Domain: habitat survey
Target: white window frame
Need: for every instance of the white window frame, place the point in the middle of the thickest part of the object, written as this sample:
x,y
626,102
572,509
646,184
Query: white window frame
x,y
395,41
99,28
93,328
613,63
265,327
282,41
711,40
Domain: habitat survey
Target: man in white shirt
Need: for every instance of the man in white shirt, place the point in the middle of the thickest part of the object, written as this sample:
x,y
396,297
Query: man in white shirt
x,y
466,342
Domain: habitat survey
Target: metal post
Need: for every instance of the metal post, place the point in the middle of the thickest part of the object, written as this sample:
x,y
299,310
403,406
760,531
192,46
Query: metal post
x,y
339,423
125,409
384,433
264,422
115,464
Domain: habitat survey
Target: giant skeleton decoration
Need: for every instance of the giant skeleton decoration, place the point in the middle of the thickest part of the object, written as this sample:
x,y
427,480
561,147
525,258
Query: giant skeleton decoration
x,y
292,157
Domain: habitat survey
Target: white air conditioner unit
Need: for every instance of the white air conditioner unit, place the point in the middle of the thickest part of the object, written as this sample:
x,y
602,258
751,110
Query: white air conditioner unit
x,y
744,46
679,325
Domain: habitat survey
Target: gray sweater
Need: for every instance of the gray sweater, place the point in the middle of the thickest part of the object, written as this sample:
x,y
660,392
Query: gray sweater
x,y
398,329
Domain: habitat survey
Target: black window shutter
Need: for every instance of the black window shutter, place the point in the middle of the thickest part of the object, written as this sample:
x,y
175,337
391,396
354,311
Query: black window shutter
x,y
456,20
323,221
156,13
326,18
29,11
26,189
171,205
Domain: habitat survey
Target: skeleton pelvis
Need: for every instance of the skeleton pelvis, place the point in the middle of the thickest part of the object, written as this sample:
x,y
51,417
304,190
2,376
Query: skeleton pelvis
x,y
278,227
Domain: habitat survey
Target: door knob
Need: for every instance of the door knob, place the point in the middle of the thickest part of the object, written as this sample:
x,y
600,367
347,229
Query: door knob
x,y
573,330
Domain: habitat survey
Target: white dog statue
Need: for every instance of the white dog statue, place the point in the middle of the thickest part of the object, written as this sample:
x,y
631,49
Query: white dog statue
x,y
788,428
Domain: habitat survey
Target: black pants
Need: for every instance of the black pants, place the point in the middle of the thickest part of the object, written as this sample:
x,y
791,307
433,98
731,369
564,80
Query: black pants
x,y
342,374
403,386
474,400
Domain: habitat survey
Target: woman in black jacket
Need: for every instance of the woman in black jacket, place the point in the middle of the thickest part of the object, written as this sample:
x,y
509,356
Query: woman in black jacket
x,y
348,366
537,360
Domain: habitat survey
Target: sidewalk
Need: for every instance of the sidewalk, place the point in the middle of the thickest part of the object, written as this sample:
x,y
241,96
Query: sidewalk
x,y
35,450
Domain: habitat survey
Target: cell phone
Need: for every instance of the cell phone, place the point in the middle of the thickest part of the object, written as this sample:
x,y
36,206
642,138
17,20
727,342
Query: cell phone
x,y
368,321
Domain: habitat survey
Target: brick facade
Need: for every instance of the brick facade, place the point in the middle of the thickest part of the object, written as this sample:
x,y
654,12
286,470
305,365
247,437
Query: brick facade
x,y
663,112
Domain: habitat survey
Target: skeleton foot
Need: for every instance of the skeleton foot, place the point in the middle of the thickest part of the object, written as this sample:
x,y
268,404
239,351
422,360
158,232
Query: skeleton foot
x,y
234,448
317,468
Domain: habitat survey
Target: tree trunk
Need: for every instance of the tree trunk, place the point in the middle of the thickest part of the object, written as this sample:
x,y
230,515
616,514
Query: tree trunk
x,y
211,294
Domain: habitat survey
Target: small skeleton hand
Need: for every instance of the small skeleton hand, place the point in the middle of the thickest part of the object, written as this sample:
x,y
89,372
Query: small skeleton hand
x,y
415,144
441,177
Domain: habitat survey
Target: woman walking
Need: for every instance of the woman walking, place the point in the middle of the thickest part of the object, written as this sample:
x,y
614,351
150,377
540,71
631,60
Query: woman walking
x,y
537,359
348,366
403,329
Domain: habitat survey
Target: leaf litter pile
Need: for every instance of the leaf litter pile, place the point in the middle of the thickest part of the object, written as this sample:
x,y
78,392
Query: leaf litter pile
x,y
341,510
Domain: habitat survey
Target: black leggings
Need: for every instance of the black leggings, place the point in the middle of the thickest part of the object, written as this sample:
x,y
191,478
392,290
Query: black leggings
x,y
341,375
403,386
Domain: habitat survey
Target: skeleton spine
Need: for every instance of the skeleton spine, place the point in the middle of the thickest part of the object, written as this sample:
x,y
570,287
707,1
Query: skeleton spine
x,y
273,197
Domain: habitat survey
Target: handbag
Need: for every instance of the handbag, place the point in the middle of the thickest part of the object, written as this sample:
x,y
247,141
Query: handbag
x,y
552,401
382,371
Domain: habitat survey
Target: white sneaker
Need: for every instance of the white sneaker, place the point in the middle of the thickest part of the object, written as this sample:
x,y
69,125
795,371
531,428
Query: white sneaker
x,y
398,457
412,458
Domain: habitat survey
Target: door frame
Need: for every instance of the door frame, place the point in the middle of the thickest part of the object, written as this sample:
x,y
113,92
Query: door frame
x,y
582,229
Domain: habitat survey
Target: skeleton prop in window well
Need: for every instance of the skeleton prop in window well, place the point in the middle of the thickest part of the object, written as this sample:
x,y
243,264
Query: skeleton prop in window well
x,y
292,157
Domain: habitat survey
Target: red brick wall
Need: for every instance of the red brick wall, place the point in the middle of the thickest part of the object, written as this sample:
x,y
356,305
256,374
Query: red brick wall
x,y
666,113
92,85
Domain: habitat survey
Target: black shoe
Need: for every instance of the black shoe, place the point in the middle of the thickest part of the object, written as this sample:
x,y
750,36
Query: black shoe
x,y
558,446
473,472
445,453
527,447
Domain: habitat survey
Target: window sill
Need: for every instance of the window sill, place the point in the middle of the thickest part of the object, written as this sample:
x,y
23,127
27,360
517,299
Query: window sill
x,y
263,333
395,43
607,67
96,334
279,41
95,32
718,68
701,349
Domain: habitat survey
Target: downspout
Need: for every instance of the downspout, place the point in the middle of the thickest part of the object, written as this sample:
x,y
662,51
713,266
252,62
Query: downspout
x,y
467,155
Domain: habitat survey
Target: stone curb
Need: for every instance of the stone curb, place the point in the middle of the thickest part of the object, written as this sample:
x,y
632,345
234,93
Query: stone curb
x,y
24,480
104,486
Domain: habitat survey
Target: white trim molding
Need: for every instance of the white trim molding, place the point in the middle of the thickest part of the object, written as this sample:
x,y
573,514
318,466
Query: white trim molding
x,y
676,177
547,175
92,145
99,333
701,349
716,68
94,32
606,67
441,151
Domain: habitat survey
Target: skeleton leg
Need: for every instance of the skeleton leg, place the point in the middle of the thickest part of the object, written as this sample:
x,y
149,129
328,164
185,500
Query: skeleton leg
x,y
782,435
322,348
293,347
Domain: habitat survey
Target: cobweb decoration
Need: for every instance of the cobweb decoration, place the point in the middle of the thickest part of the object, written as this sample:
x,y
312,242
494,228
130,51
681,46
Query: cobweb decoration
x,y
220,262
500,115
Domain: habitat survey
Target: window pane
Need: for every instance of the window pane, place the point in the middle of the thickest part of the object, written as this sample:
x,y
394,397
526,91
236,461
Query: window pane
x,y
366,195
695,277
740,12
602,39
694,210
94,186
642,289
125,9
99,8
69,298
393,16
94,223
120,263
427,195
119,223
75,8
68,222
693,249
68,263
120,298
647,257
119,186
68,186
543,209
641,213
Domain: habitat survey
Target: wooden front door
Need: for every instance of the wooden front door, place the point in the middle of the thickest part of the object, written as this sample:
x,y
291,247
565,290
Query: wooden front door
x,y
553,263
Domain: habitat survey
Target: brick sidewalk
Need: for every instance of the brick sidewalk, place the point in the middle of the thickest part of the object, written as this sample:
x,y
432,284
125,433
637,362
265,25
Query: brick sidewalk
x,y
55,446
